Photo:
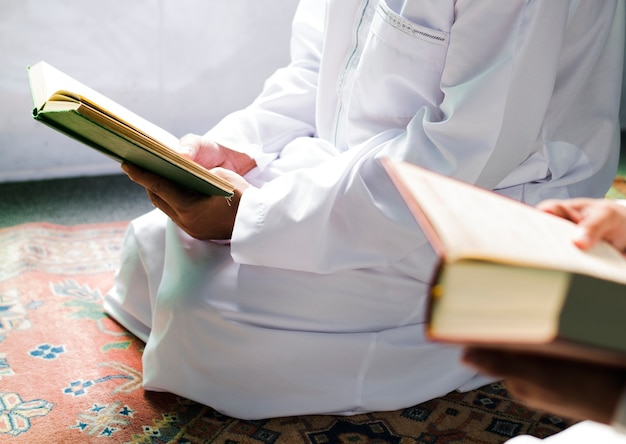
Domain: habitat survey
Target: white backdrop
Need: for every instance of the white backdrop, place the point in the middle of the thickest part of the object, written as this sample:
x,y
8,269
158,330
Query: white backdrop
x,y
182,64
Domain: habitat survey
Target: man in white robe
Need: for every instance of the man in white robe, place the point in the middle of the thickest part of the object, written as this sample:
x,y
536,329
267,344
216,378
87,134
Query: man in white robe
x,y
317,303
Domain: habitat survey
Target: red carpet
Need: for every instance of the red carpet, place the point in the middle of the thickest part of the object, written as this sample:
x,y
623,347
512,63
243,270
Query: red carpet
x,y
68,373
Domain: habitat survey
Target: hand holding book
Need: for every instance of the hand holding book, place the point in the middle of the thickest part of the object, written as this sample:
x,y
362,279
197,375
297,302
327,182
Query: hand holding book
x,y
211,154
200,216
597,219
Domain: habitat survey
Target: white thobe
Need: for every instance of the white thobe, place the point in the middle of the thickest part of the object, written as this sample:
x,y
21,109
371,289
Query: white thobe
x,y
586,432
318,303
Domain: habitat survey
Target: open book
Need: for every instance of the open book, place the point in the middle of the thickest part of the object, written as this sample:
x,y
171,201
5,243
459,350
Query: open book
x,y
79,112
510,275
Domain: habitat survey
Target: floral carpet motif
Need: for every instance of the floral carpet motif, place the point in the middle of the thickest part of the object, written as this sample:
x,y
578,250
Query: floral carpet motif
x,y
70,374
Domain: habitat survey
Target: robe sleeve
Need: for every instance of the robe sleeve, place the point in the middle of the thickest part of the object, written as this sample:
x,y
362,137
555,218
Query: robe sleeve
x,y
285,109
502,74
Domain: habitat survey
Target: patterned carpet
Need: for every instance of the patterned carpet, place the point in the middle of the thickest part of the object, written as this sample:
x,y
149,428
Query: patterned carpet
x,y
68,373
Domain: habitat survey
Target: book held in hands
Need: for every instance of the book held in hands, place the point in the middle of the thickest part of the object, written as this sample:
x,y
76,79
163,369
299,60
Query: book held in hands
x,y
510,275
81,113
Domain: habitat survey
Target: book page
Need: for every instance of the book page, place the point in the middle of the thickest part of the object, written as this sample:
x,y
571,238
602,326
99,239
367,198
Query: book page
x,y
471,222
